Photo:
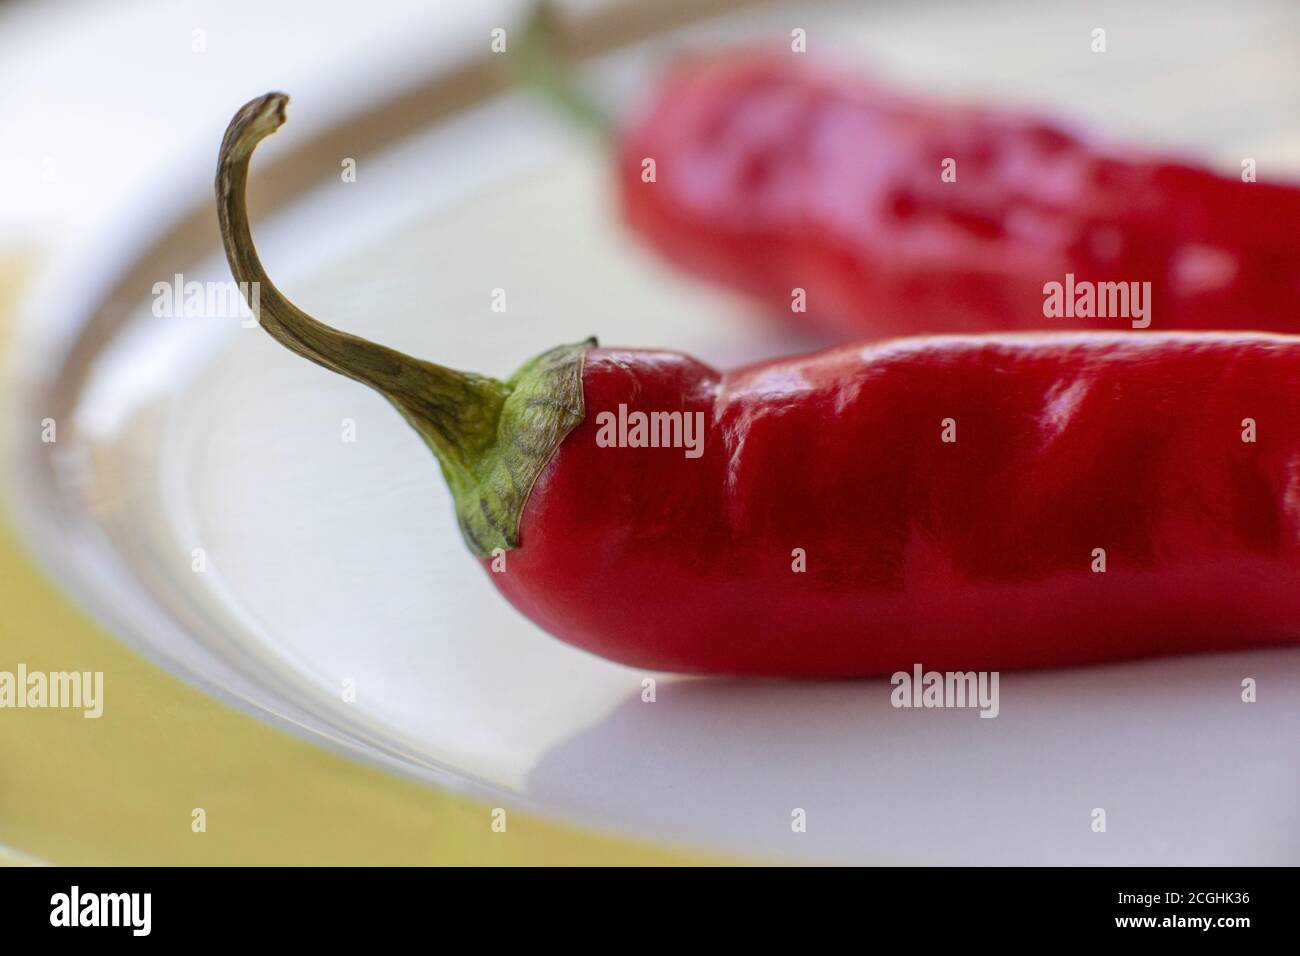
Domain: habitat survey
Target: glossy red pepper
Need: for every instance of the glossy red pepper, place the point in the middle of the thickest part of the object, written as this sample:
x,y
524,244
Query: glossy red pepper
x,y
773,173
965,503
974,553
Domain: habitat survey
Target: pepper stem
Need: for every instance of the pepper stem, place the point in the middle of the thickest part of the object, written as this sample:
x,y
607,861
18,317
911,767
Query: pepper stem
x,y
492,438
541,63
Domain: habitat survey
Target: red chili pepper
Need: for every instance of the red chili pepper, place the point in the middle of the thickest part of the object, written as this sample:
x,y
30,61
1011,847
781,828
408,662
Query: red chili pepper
x,y
963,502
773,174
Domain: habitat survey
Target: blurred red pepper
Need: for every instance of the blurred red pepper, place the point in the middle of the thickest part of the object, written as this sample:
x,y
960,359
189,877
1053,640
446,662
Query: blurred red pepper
x,y
773,174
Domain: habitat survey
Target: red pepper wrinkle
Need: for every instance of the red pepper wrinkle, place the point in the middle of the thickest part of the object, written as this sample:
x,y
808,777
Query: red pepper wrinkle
x,y
973,554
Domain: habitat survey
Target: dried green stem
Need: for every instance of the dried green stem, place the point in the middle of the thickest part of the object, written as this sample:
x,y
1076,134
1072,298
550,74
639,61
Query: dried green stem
x,y
492,438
